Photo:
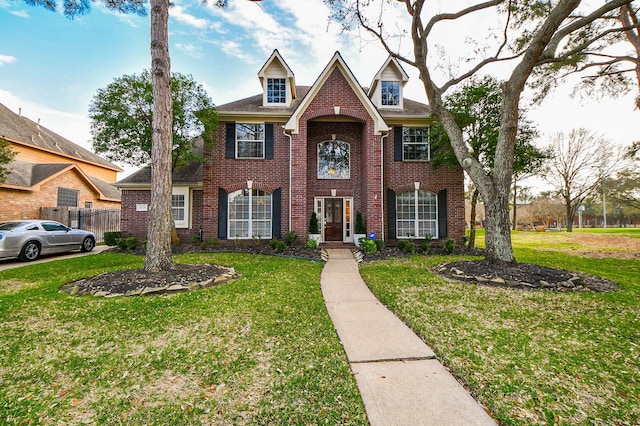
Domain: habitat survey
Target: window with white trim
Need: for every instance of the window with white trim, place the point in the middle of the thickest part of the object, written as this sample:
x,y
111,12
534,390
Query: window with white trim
x,y
180,207
250,213
276,90
416,214
390,92
249,140
334,160
415,144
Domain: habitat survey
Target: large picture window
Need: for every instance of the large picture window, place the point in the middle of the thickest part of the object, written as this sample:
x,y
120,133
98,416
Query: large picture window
x,y
333,160
415,144
416,214
249,140
250,214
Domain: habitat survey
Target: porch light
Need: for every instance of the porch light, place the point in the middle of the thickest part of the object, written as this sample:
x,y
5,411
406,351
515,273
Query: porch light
x,y
333,191
332,171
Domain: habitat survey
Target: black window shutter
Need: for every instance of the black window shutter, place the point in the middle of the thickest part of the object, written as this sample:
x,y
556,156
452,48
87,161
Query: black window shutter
x,y
276,219
391,214
222,213
231,140
268,141
442,213
397,143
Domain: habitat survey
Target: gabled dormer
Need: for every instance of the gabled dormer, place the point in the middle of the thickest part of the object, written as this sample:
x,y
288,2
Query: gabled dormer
x,y
388,84
278,82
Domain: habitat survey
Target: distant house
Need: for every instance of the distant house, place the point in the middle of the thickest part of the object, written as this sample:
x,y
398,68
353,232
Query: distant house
x,y
51,171
334,148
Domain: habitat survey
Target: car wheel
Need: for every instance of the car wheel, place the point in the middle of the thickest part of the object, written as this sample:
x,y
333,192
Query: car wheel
x,y
30,251
88,244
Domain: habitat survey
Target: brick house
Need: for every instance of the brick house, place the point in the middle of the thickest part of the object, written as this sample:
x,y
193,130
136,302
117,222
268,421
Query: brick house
x,y
335,148
51,171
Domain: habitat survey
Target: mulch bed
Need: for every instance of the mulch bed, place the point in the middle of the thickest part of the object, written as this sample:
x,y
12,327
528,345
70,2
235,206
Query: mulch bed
x,y
518,276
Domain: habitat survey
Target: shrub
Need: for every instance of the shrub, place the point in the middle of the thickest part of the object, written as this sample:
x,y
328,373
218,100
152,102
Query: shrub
x,y
311,244
280,246
111,238
273,244
450,245
360,227
209,243
379,244
313,224
130,243
406,246
426,244
291,238
369,246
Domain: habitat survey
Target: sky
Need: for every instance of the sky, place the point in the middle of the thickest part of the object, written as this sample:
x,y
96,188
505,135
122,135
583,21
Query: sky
x,y
51,67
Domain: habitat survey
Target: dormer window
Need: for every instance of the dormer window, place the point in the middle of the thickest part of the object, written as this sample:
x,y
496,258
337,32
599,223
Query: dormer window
x,y
276,90
390,91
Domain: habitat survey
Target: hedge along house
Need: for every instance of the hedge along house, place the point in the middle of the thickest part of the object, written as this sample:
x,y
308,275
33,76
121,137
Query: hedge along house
x,y
334,148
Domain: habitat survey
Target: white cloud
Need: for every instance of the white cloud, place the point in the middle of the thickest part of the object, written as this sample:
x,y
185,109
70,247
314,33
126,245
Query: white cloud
x,y
179,13
6,59
20,13
190,49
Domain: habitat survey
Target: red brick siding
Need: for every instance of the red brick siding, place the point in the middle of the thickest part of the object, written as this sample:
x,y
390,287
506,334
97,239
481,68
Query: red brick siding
x,y
232,174
134,223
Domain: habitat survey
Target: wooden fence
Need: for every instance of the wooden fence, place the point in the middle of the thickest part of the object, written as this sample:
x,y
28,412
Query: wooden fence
x,y
97,221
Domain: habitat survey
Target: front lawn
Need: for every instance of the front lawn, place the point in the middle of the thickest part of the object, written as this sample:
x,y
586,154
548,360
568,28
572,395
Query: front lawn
x,y
530,357
258,350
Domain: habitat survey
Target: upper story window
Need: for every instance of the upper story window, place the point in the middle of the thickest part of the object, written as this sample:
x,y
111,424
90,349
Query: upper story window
x,y
415,144
276,90
390,91
67,197
333,160
249,140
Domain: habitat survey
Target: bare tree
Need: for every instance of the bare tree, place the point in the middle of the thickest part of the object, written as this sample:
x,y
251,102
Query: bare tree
x,y
578,164
533,33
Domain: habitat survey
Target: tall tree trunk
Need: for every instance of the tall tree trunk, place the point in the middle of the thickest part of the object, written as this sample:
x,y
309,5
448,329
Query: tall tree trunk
x,y
497,229
569,214
160,219
515,202
472,218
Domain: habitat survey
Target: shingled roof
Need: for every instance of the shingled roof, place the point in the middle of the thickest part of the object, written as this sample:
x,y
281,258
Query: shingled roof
x,y
27,176
18,129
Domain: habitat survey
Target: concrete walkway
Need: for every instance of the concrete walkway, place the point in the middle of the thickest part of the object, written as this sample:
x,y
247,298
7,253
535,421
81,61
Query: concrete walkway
x,y
400,381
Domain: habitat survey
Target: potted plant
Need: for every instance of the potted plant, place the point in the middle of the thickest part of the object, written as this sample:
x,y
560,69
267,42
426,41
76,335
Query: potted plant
x,y
314,230
360,230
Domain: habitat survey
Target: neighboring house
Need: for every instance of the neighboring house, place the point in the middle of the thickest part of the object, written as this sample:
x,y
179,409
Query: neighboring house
x,y
51,171
335,148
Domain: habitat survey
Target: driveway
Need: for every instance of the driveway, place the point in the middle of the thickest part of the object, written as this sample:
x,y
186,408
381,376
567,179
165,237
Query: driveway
x,y
15,263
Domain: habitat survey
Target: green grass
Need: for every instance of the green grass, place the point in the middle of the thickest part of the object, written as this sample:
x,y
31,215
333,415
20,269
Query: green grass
x,y
258,350
530,357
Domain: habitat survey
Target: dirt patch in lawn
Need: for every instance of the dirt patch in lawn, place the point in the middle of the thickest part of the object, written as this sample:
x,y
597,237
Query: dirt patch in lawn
x,y
592,245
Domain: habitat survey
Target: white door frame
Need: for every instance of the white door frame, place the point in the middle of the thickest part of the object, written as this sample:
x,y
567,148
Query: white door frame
x,y
347,217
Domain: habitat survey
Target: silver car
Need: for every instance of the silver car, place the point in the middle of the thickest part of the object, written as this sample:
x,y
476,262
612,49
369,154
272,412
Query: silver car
x,y
28,239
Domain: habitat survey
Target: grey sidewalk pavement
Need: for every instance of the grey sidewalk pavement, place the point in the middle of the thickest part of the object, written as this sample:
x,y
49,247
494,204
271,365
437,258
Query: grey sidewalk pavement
x,y
400,381
15,263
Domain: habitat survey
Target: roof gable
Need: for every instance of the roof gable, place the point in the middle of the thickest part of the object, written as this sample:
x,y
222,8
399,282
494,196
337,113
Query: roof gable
x,y
276,67
337,63
391,70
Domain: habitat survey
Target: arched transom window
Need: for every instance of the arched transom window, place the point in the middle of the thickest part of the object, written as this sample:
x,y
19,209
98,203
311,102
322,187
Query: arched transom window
x,y
250,214
416,214
333,160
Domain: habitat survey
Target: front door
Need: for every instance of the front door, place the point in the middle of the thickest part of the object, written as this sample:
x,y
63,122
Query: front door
x,y
333,219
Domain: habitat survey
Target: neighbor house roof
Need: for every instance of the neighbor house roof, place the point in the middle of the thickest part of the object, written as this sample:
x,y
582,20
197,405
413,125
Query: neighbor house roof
x,y
20,130
27,176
